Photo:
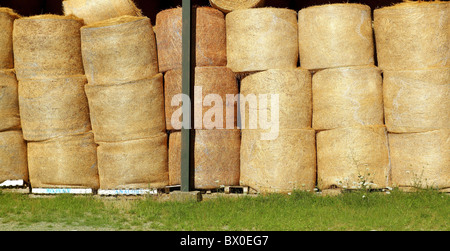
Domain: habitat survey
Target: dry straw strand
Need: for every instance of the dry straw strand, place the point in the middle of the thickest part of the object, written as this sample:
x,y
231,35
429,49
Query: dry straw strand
x,y
227,6
7,17
9,102
13,156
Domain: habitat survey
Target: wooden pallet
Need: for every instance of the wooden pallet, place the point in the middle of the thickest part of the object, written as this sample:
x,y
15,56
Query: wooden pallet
x,y
14,186
128,192
55,191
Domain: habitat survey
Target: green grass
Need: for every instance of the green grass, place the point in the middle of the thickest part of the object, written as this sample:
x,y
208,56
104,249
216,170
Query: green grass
x,y
424,210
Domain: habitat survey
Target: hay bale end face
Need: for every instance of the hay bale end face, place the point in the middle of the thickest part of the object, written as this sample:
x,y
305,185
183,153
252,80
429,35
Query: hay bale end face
x,y
7,17
227,6
9,102
13,156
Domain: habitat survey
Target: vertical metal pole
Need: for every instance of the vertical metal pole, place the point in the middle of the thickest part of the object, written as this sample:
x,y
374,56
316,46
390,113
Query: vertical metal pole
x,y
188,64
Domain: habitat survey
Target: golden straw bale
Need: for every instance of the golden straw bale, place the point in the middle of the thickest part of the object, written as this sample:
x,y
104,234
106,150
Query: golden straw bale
x,y
216,154
353,158
13,156
134,164
293,87
335,35
413,35
417,100
92,11
53,107
346,97
9,102
231,5
7,17
210,38
128,111
64,162
262,38
119,50
47,46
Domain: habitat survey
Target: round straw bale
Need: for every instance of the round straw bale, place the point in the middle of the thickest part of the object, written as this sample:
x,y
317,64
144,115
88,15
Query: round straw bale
x,y
215,83
53,107
92,11
353,158
281,165
13,156
421,160
293,87
216,157
335,35
230,5
7,17
210,38
261,39
9,102
64,162
119,50
133,110
417,100
47,46
134,164
347,96
413,35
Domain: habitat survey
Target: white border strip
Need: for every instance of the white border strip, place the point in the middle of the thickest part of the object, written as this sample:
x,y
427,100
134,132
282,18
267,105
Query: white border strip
x,y
127,192
61,191
13,183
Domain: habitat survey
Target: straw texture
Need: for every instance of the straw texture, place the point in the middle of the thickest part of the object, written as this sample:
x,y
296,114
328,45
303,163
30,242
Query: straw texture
x,y
216,154
261,39
53,107
13,156
119,50
417,100
335,35
7,17
9,103
64,162
230,5
352,158
213,80
47,46
134,164
281,165
133,110
346,97
92,11
421,160
293,88
413,35
210,38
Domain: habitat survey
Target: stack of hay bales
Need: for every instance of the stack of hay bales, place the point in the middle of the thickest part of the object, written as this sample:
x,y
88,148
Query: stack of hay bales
x,y
413,52
13,152
217,142
53,106
262,47
126,101
336,43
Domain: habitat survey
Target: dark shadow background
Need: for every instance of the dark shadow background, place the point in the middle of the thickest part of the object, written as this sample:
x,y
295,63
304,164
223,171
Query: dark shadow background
x,y
151,7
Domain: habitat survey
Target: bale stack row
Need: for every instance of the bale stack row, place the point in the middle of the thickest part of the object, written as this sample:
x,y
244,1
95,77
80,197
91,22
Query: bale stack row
x,y
53,106
13,148
217,141
413,52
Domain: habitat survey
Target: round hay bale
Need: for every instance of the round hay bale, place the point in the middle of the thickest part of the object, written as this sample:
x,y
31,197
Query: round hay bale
x,y
92,11
293,87
279,166
210,38
335,35
134,164
9,102
47,46
216,157
421,160
353,158
119,50
64,162
133,110
417,100
53,107
261,39
231,5
7,17
346,97
413,35
218,81
13,156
